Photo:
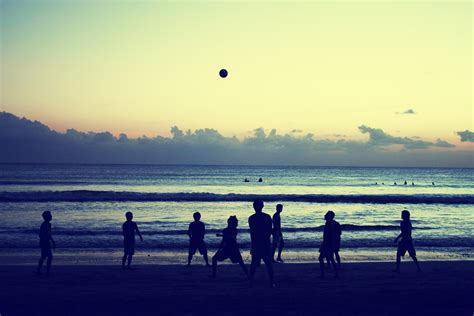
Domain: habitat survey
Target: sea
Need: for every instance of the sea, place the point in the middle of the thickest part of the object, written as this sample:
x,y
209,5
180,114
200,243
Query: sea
x,y
88,203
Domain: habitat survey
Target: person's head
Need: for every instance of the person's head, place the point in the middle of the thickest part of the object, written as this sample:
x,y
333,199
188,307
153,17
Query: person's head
x,y
129,216
405,215
197,216
279,208
258,206
232,222
329,215
47,216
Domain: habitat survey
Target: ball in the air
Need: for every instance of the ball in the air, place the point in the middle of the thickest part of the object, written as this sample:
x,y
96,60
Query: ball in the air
x,y
223,73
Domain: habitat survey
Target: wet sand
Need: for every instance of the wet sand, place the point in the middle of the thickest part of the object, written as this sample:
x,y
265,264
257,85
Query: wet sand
x,y
444,288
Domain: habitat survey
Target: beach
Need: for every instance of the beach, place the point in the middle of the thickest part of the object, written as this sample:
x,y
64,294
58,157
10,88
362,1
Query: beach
x,y
444,288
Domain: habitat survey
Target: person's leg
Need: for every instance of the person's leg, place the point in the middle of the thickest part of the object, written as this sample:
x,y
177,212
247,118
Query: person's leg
x,y
269,264
206,259
190,254
274,248
244,268
415,260
48,263
214,266
328,264
253,266
338,259
280,249
124,258
417,264
321,265
398,263
40,264
129,261
331,259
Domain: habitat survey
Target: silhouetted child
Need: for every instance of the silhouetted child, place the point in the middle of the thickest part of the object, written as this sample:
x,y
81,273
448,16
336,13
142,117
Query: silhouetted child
x,y
46,242
196,232
260,232
278,242
406,242
329,243
129,228
229,248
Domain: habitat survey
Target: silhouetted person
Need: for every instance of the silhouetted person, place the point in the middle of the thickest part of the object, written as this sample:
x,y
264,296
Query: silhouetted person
x,y
278,242
337,243
405,183
229,248
129,228
196,232
260,180
246,180
46,242
329,243
413,184
394,183
406,242
260,232
432,183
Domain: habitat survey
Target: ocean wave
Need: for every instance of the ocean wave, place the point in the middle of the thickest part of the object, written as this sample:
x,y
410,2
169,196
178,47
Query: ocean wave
x,y
118,232
244,243
115,196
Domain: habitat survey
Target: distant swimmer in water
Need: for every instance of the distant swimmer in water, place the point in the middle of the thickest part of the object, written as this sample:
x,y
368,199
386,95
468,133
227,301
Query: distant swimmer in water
x,y
376,183
413,184
260,180
405,183
246,180
432,183
383,183
394,183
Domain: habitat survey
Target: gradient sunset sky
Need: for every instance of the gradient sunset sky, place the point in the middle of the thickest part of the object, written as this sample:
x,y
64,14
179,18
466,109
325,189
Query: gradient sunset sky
x,y
320,67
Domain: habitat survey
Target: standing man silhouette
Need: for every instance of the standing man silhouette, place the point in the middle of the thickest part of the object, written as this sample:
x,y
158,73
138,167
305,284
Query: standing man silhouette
x,y
46,241
196,233
406,242
260,232
278,242
329,240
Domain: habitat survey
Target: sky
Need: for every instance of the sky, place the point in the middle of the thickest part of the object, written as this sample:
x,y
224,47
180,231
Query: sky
x,y
318,68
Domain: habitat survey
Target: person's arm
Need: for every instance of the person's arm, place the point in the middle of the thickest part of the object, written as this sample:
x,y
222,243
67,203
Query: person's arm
x,y
51,238
401,233
189,231
398,237
52,241
138,232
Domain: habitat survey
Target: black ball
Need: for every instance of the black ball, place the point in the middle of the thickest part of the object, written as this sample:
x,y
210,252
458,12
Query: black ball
x,y
223,73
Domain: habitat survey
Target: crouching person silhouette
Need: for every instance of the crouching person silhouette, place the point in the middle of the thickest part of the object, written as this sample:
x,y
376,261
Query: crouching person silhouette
x,y
406,242
229,248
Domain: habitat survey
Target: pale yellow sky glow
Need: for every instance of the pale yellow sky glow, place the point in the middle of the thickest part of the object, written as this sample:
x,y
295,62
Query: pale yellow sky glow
x,y
321,67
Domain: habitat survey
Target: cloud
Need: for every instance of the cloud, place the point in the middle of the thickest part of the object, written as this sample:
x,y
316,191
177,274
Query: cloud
x,y
378,137
25,141
409,111
466,136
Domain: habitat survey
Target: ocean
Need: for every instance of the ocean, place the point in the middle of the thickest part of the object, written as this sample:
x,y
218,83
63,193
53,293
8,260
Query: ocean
x,y
88,203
